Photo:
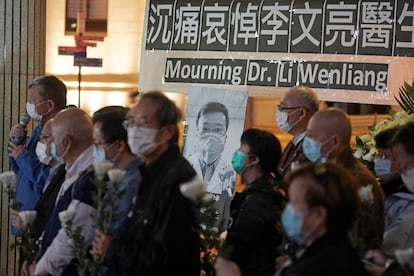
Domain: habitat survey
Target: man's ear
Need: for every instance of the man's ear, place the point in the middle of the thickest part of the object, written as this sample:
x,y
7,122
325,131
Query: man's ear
x,y
167,132
51,106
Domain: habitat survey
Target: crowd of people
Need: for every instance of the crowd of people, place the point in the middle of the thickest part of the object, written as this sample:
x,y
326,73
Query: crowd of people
x,y
309,209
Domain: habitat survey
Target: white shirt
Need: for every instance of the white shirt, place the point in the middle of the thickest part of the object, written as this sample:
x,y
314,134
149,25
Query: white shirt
x,y
59,254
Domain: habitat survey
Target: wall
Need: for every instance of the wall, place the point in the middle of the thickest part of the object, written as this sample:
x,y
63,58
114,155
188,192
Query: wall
x,y
120,51
22,44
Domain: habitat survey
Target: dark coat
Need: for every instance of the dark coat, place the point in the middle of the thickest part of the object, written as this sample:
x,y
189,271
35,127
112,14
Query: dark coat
x,y
47,200
291,153
331,254
253,240
162,236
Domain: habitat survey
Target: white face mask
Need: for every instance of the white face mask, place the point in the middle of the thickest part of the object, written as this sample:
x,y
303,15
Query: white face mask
x,y
382,167
141,140
41,153
282,120
211,146
408,179
31,110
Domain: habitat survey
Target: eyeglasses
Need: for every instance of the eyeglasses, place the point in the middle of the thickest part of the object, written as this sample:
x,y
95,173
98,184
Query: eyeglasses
x,y
280,107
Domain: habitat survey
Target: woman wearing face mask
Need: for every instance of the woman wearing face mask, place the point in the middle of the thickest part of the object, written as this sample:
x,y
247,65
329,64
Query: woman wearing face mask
x,y
252,238
399,204
322,207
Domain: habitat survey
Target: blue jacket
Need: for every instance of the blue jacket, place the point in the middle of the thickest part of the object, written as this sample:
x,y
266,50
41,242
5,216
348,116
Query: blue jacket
x,y
31,174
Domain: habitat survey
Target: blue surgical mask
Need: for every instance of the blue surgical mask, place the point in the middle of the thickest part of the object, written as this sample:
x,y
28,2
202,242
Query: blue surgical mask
x,y
312,149
292,222
55,155
238,161
99,154
382,167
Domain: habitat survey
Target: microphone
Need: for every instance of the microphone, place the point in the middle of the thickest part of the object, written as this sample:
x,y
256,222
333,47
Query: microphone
x,y
24,121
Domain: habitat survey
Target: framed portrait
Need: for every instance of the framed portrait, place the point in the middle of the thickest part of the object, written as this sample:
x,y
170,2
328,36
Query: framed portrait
x,y
214,123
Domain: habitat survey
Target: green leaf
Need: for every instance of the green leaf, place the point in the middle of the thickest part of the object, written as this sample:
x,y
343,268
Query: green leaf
x,y
406,97
359,142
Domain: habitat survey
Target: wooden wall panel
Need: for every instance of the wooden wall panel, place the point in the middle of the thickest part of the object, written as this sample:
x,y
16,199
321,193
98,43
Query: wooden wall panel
x,y
22,41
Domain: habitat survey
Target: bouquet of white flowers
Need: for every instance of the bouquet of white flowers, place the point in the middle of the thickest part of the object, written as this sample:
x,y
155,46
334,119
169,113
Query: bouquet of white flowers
x,y
365,148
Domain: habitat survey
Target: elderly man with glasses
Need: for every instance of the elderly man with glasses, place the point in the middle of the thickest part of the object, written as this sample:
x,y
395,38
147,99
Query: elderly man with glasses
x,y
292,116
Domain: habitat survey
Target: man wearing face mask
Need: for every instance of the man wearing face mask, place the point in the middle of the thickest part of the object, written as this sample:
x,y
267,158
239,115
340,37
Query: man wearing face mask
x,y
46,202
328,136
71,144
161,236
47,95
292,116
111,145
212,124
399,206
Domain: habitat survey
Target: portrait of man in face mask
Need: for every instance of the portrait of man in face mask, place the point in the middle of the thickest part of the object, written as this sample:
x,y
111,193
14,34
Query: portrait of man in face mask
x,y
214,122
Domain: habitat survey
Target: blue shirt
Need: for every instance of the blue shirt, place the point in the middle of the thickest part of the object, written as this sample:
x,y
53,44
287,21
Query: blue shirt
x,y
31,174
126,191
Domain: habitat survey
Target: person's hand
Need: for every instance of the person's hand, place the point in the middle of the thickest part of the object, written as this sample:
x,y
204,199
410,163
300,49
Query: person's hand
x,y
17,131
100,244
225,267
280,261
15,150
375,262
16,220
28,269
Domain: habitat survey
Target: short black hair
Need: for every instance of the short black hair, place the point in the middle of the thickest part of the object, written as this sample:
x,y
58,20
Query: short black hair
x,y
384,138
112,118
213,107
405,135
265,146
53,89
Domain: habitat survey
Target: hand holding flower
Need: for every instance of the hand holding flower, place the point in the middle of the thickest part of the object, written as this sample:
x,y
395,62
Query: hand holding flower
x,y
100,244
16,220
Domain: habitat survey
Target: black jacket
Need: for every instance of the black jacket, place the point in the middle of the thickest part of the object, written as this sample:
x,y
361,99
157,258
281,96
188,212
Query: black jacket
x,y
162,236
47,200
331,254
253,239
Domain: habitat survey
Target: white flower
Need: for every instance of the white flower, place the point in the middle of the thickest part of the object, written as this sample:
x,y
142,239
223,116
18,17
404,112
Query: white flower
x,y
8,179
294,165
223,235
66,216
358,153
116,175
365,194
101,168
405,257
193,189
27,217
368,157
207,198
365,137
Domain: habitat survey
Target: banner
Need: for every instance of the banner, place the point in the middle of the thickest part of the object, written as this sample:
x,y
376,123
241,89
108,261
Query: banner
x,y
347,50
